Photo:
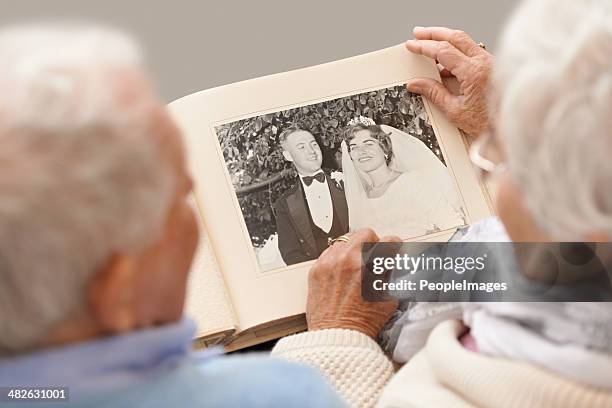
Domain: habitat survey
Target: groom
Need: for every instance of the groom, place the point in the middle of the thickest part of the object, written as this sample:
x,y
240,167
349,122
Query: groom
x,y
314,209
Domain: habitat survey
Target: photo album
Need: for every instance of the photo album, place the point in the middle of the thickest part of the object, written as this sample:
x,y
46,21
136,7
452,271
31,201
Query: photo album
x,y
285,163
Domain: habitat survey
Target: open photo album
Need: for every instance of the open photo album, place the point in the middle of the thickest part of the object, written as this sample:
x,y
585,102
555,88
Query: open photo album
x,y
285,163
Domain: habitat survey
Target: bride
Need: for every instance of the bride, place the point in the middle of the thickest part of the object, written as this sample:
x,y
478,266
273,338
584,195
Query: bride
x,y
394,184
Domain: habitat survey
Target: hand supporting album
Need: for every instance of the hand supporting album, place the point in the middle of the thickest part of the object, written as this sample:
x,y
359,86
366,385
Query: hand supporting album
x,y
463,59
334,289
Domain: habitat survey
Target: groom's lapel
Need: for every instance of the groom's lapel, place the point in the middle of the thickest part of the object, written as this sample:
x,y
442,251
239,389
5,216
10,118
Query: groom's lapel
x,y
296,202
339,202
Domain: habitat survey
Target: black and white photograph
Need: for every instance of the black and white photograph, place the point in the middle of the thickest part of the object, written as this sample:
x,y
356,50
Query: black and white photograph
x,y
307,175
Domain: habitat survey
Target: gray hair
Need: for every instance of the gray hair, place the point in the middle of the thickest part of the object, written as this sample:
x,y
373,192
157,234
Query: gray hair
x,y
82,175
553,76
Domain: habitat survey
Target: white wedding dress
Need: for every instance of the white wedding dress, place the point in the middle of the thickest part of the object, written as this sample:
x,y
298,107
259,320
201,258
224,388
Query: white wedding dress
x,y
422,200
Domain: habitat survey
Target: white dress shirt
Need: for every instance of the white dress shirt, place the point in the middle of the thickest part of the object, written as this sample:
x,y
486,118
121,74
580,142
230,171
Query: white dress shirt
x,y
320,204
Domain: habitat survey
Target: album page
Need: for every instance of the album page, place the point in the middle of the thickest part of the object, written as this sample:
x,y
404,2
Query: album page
x,y
286,162
208,301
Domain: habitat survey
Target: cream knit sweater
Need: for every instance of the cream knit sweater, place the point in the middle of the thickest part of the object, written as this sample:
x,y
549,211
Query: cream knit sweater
x,y
443,374
353,362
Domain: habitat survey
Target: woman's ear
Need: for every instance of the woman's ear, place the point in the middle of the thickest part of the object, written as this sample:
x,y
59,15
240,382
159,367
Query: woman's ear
x,y
111,295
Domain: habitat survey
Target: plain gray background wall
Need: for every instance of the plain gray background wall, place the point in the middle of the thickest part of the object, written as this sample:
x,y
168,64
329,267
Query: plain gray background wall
x,y
194,45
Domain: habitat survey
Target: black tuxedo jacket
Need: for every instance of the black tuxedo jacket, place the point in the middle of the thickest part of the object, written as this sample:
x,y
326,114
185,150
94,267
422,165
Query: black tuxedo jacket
x,y
296,239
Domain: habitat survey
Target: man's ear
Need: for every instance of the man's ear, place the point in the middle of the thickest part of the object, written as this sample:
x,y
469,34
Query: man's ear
x,y
111,297
287,156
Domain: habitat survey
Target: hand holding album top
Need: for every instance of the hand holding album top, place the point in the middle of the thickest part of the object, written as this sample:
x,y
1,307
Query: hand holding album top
x,y
334,289
461,57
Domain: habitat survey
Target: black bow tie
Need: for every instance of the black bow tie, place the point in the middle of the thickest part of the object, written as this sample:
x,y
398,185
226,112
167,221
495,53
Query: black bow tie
x,y
320,177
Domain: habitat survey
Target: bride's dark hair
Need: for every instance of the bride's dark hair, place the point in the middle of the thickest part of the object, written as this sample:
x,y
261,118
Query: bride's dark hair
x,y
376,133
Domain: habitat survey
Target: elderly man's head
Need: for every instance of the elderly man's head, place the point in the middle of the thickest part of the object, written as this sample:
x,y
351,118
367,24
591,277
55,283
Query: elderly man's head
x,y
96,236
553,85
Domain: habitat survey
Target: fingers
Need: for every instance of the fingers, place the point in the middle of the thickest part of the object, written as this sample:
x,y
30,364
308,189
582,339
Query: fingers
x,y
344,252
445,73
443,52
390,238
363,235
353,250
459,39
435,92
355,239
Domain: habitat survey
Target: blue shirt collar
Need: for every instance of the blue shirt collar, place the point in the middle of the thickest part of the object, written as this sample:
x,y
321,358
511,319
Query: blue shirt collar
x,y
106,363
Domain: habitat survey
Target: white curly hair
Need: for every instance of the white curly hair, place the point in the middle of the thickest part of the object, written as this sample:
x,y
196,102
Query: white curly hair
x,y
81,173
553,78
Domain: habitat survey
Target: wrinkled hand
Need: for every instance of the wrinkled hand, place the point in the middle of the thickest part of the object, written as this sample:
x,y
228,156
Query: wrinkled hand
x,y
334,290
462,58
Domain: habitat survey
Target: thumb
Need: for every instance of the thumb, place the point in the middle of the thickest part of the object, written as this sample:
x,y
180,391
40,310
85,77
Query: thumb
x,y
434,91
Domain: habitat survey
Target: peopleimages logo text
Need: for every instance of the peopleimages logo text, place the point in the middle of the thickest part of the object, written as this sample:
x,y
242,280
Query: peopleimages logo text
x,y
413,264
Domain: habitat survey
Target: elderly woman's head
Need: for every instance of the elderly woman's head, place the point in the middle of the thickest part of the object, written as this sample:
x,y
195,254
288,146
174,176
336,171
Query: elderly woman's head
x,y
552,95
368,145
